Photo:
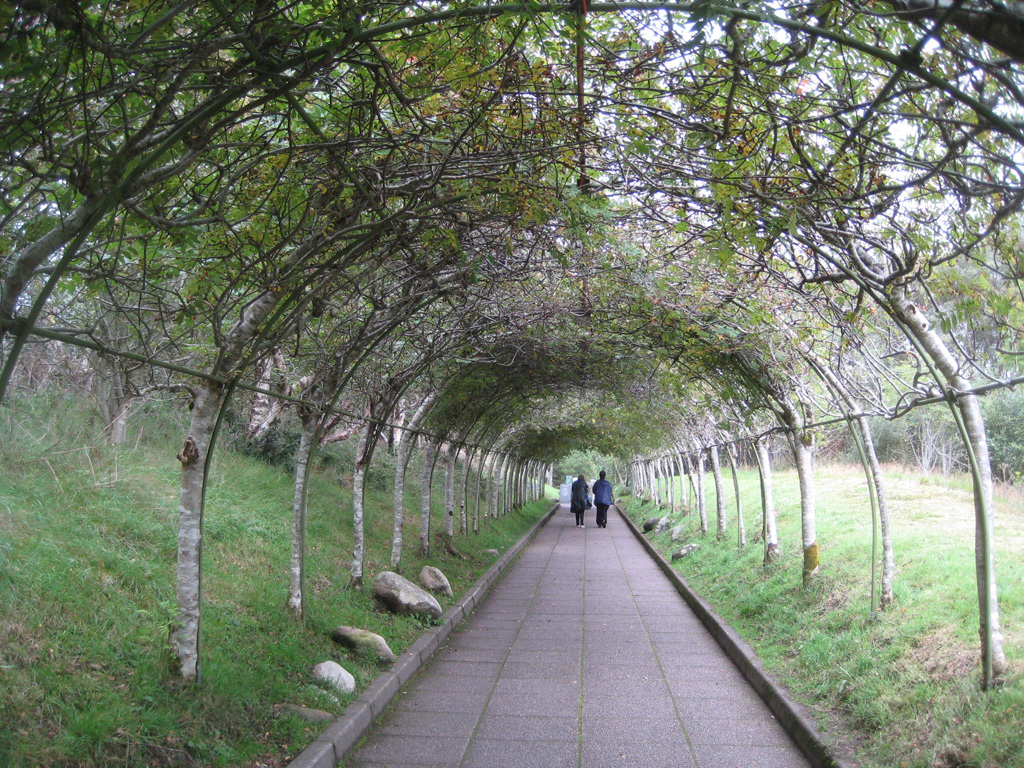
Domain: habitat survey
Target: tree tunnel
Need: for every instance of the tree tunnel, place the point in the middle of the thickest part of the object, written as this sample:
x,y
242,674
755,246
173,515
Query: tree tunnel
x,y
659,230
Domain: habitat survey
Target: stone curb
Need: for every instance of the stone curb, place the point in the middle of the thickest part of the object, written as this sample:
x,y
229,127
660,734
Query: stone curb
x,y
789,714
334,743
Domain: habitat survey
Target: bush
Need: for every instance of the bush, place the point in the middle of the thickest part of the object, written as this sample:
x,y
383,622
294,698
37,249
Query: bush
x,y
1005,430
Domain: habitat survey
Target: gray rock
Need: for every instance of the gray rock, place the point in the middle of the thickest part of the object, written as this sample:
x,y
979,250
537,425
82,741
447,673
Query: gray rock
x,y
651,523
689,549
663,524
399,595
492,552
362,639
433,580
306,713
335,675
677,531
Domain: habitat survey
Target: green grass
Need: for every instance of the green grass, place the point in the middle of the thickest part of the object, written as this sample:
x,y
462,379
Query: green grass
x,y
898,688
87,559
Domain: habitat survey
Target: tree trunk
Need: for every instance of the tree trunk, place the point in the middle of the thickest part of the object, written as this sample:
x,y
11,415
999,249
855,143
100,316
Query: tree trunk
x,y
193,457
463,496
702,504
450,455
994,663
358,538
428,477
720,509
802,445
401,466
874,477
297,574
741,535
769,528
481,463
691,486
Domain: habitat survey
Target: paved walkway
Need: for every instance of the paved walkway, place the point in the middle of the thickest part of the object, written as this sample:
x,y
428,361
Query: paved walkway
x,y
582,656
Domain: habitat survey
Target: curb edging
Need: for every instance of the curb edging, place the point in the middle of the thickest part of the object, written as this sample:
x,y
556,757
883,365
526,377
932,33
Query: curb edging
x,y
348,729
789,714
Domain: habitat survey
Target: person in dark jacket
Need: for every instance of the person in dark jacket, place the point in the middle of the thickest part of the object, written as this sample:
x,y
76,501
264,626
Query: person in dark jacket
x,y
578,501
602,500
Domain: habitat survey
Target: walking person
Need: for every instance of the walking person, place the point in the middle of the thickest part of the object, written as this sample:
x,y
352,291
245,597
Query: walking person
x,y
602,500
579,502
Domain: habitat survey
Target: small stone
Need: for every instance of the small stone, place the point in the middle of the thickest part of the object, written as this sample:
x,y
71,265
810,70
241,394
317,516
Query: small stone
x,y
362,639
687,550
492,552
335,675
663,524
651,523
677,532
433,580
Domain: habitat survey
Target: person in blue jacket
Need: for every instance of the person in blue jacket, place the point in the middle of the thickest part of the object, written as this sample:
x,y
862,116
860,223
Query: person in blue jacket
x,y
602,500
578,502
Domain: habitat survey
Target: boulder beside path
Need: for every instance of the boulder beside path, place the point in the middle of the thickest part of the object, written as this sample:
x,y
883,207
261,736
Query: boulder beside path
x,y
363,639
401,596
433,580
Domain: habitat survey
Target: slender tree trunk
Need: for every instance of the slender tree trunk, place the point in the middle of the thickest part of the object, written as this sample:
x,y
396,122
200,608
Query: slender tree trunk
x,y
489,489
193,457
358,537
874,477
802,445
702,504
691,485
769,528
428,477
401,467
463,500
297,573
720,509
481,464
972,424
741,532
884,518
450,456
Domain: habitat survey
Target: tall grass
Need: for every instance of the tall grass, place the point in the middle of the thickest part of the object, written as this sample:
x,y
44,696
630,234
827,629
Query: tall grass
x,y
87,559
893,688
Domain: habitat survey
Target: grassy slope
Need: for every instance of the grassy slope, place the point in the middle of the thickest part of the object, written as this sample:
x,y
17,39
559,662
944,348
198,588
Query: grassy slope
x,y
900,687
87,553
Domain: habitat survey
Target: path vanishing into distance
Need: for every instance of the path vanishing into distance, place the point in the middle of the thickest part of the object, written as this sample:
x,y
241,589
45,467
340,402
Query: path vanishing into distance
x,y
583,655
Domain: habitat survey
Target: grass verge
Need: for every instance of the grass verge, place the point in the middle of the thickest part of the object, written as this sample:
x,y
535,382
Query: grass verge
x,y
898,688
87,558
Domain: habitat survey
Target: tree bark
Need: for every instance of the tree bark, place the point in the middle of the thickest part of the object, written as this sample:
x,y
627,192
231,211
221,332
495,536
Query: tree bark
x,y
721,512
450,455
769,527
401,466
741,533
428,477
702,505
994,663
802,445
184,636
297,572
358,537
